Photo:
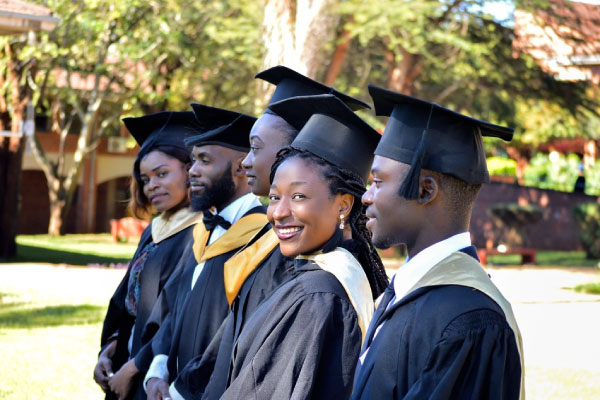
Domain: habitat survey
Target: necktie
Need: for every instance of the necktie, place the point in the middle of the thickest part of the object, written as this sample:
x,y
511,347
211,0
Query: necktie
x,y
388,295
211,221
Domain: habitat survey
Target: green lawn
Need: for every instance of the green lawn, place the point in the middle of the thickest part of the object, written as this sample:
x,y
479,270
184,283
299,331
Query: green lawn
x,y
73,249
50,324
547,258
591,288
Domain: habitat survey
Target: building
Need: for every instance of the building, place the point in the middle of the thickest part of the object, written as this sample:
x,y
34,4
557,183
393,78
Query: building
x,y
102,194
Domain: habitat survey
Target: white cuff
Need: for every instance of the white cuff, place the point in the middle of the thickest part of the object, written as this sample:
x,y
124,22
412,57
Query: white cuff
x,y
174,393
158,369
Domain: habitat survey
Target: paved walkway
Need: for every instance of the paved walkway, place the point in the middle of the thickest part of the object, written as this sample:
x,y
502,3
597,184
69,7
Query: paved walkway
x,y
560,328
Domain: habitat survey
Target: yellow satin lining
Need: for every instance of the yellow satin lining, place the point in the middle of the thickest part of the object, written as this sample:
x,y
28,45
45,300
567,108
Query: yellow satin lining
x,y
242,264
235,237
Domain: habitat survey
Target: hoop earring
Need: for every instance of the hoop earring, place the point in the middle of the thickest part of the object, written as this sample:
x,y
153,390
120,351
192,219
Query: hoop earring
x,y
342,221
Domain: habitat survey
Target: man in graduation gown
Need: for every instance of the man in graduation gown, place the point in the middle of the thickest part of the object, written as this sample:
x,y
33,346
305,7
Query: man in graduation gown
x,y
256,271
232,216
442,329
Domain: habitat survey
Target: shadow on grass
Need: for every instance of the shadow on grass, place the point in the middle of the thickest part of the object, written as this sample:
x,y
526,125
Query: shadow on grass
x,y
49,316
27,253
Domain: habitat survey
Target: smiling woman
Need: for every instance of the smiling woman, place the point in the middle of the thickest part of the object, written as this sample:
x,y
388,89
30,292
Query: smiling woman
x,y
159,186
304,339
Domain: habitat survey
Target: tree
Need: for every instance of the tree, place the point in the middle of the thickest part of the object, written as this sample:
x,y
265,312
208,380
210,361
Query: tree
x,y
295,34
109,59
15,75
80,51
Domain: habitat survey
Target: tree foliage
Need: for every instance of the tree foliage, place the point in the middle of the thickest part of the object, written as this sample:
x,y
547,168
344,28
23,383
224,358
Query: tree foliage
x,y
109,58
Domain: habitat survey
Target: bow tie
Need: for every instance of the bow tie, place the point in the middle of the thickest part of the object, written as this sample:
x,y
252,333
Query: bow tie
x,y
211,221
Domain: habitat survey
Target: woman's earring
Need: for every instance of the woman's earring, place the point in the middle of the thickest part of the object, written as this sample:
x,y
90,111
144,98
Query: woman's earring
x,y
342,221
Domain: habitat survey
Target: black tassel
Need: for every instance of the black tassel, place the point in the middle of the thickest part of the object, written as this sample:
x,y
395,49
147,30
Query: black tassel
x,y
410,187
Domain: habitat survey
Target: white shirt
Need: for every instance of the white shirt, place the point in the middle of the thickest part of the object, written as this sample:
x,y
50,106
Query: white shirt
x,y
232,213
416,267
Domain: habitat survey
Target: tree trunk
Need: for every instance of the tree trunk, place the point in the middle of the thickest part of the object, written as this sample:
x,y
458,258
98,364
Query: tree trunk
x,y
337,60
403,75
11,156
55,226
294,33
522,158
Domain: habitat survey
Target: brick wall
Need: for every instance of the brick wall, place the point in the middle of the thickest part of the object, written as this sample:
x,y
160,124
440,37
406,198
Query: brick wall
x,y
556,231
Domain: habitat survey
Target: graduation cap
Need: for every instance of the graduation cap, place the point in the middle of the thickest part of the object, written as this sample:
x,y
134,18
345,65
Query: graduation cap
x,y
228,128
427,135
167,128
291,84
331,130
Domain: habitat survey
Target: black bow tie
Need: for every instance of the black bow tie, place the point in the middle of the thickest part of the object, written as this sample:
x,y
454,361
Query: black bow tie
x,y
211,221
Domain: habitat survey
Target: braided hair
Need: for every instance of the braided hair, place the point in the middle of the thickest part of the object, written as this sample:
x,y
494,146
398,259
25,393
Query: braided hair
x,y
342,180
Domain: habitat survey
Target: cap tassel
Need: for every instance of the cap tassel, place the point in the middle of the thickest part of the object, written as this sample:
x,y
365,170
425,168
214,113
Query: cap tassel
x,y
410,187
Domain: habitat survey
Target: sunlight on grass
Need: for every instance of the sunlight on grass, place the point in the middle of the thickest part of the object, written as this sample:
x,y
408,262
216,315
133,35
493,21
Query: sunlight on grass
x,y
50,325
547,258
590,288
78,249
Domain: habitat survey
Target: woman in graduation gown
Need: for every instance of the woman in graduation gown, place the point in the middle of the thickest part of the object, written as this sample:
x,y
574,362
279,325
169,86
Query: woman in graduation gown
x,y
159,185
303,341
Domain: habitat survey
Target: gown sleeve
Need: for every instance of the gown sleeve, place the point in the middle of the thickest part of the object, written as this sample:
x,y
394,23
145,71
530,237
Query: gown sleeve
x,y
194,377
476,358
310,353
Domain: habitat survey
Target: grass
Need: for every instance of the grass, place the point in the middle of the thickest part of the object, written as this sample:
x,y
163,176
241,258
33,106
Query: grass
x,y
50,324
51,320
547,258
73,249
590,288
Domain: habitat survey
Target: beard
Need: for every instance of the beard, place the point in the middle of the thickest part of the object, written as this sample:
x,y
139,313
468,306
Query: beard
x,y
218,194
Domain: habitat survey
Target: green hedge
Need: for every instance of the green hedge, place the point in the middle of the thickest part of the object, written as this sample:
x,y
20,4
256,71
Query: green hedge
x,y
587,217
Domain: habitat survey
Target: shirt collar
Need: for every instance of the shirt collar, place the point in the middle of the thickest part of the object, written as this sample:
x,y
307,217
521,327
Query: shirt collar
x,y
239,207
416,267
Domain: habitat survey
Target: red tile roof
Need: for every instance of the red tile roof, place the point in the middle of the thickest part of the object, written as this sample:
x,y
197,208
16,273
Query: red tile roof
x,y
23,7
565,39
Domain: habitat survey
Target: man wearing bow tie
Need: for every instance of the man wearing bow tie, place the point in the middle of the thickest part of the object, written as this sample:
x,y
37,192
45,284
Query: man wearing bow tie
x,y
196,299
442,330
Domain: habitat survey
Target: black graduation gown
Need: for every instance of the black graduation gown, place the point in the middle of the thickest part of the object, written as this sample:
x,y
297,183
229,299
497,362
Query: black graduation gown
x,y
271,273
157,270
197,314
440,342
301,342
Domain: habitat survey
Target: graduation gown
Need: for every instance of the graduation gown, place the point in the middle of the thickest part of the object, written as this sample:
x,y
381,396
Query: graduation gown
x,y
196,315
158,268
270,273
442,341
301,342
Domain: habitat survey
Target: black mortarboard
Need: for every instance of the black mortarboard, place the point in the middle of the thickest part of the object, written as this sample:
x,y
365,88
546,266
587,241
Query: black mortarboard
x,y
167,128
427,135
232,131
291,84
331,130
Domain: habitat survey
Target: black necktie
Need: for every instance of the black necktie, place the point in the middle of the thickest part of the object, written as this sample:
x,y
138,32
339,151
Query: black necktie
x,y
388,295
211,221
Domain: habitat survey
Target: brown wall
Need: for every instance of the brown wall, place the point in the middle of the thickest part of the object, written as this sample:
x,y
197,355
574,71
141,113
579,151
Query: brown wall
x,y
112,202
556,231
34,211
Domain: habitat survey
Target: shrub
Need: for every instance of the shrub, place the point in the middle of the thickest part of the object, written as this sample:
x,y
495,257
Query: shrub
x,y
587,216
514,220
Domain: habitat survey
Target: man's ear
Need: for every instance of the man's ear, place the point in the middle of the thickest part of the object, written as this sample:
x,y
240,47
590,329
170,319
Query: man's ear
x,y
429,189
346,203
237,168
